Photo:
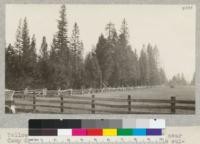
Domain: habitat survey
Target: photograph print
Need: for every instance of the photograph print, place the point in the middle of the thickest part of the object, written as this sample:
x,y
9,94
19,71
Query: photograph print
x,y
100,59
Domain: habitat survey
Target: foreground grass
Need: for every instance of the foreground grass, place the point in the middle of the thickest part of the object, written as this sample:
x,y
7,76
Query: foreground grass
x,y
158,92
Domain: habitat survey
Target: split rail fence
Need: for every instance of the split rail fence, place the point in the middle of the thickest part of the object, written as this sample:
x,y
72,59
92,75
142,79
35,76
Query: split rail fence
x,y
65,101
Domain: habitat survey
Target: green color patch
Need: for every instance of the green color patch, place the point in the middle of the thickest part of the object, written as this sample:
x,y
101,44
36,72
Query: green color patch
x,y
124,132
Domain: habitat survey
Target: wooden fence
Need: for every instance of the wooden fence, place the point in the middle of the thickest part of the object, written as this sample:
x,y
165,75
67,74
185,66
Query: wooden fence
x,y
45,92
63,101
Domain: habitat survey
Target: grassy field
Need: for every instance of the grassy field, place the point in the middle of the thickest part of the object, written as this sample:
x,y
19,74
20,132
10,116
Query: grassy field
x,y
158,92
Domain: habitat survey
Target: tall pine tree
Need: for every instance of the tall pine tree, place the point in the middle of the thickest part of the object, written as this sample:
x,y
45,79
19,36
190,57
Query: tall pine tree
x,y
76,58
143,62
61,64
18,42
11,73
43,65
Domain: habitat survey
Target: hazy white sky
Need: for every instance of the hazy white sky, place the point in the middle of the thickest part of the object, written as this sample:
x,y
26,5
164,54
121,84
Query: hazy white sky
x,y
170,27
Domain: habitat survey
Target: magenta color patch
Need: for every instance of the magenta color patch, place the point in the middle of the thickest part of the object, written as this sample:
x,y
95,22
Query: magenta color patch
x,y
79,132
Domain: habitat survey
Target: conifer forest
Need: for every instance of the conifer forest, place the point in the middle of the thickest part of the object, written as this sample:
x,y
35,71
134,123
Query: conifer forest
x,y
112,62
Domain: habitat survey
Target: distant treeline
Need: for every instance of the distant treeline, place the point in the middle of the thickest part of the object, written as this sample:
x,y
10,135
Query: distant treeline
x,y
112,62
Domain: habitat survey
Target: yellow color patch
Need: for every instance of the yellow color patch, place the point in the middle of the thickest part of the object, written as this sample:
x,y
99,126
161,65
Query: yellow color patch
x,y
109,132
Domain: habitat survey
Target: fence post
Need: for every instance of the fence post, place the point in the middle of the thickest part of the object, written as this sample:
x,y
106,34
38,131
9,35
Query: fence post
x,y
61,104
9,103
34,103
44,92
129,104
71,92
58,92
93,104
25,92
173,105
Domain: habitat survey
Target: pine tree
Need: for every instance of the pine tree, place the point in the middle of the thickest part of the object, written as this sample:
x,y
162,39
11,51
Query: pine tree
x,y
110,30
53,60
105,53
26,56
33,63
25,39
92,71
124,54
183,80
137,68
143,62
61,64
53,51
77,58
43,50
152,65
178,79
62,37
162,76
124,32
32,52
10,69
131,67
113,62
124,28
18,42
19,53
43,65
76,46
156,66
25,46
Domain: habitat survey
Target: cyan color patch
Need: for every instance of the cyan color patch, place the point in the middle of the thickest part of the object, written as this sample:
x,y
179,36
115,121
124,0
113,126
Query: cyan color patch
x,y
139,132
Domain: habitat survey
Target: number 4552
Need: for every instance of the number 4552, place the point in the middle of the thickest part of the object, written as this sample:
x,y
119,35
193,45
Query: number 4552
x,y
187,7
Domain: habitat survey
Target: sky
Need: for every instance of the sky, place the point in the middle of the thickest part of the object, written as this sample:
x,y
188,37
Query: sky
x,y
170,27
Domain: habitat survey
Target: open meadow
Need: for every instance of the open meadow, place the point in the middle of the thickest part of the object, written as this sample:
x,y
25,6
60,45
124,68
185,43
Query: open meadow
x,y
147,100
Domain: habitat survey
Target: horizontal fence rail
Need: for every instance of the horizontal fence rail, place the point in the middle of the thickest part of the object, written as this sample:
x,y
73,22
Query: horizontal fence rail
x,y
80,91
64,100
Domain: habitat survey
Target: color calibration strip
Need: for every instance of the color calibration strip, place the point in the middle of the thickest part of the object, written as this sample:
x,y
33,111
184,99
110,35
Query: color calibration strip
x,y
95,128
96,132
